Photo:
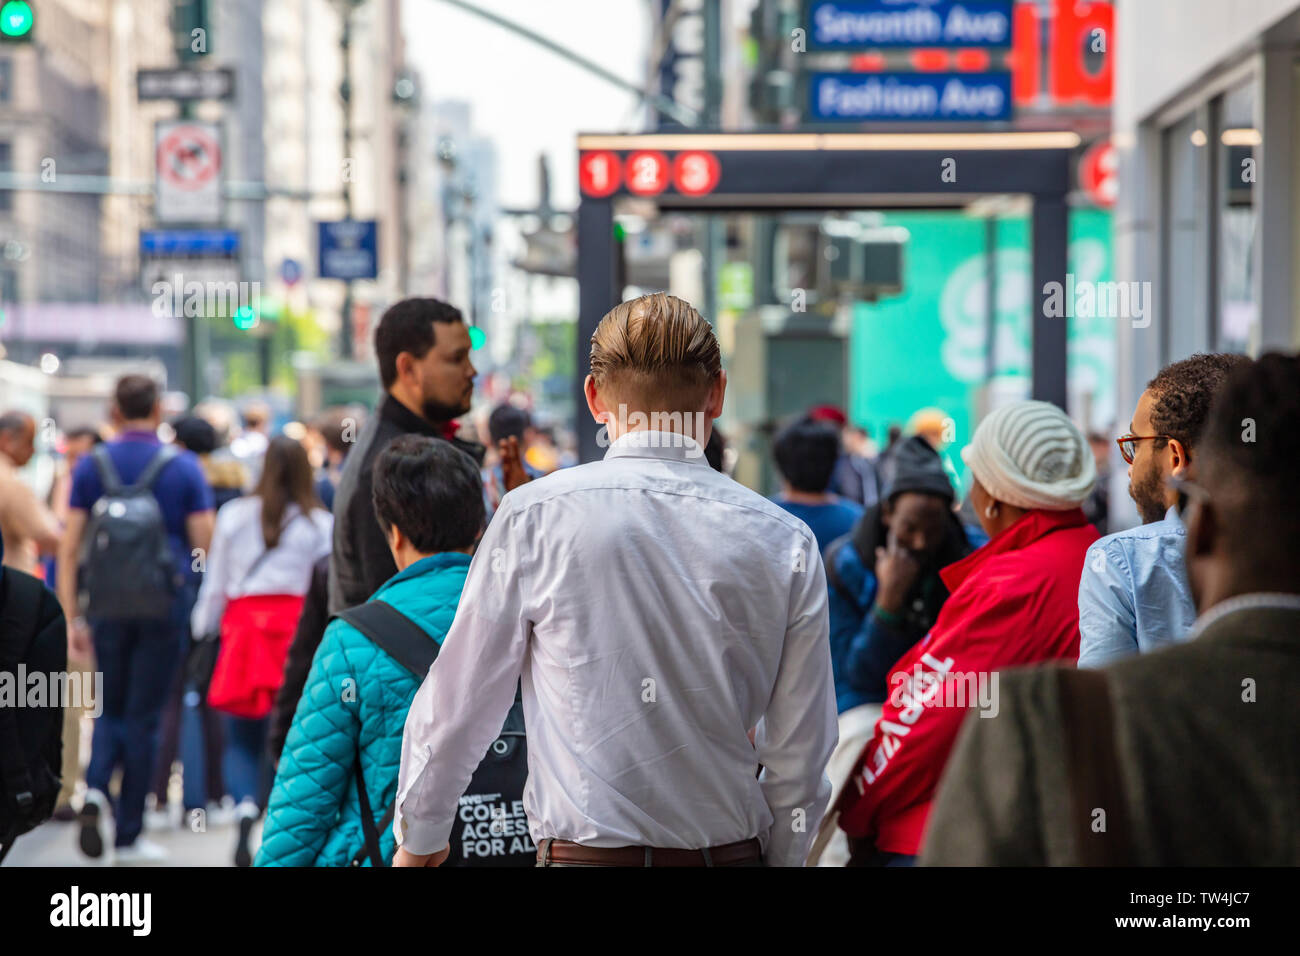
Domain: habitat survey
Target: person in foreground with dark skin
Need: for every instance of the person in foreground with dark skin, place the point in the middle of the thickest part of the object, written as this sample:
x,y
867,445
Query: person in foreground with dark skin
x,y
1182,757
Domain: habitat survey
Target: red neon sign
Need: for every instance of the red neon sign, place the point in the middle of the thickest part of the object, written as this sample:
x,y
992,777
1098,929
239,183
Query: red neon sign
x,y
647,173
696,173
599,174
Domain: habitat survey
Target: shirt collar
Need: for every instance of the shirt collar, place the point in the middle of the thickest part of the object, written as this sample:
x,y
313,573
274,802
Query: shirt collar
x,y
1259,600
1031,526
1172,515
645,443
139,434
426,565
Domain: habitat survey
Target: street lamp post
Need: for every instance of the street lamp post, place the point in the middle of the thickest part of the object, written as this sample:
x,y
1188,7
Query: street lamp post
x,y
346,9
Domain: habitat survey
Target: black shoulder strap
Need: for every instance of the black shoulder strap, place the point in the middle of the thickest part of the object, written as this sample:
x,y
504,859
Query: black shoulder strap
x,y
20,597
411,646
108,476
156,464
404,640
1095,779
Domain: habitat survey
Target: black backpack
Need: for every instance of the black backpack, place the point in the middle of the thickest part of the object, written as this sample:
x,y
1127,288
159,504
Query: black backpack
x,y
496,835
33,635
126,568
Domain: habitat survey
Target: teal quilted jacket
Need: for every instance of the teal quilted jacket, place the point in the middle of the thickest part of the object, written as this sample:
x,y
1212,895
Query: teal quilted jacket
x,y
356,697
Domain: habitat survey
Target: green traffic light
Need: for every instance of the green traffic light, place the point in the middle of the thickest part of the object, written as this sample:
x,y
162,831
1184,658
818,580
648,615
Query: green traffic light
x,y
16,19
245,318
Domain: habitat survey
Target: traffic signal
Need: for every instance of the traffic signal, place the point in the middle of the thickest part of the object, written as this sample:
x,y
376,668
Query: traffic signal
x,y
245,318
16,22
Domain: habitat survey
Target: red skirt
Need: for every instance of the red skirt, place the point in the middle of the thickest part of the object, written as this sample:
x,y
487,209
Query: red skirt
x,y
256,632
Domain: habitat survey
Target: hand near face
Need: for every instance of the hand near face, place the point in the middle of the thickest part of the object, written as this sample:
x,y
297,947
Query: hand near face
x,y
896,572
512,465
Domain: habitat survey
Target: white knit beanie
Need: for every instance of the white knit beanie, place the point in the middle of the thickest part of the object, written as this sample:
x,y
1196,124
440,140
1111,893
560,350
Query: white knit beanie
x,y
1030,455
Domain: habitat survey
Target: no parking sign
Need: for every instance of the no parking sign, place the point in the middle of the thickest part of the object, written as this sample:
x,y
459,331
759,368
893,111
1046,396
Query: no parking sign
x,y
187,159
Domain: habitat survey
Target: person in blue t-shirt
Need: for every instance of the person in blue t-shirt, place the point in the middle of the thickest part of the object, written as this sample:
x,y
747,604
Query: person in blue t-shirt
x,y
137,657
806,453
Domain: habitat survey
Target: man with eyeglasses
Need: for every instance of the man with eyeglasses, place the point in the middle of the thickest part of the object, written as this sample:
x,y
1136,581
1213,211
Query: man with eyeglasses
x,y
1187,755
1134,596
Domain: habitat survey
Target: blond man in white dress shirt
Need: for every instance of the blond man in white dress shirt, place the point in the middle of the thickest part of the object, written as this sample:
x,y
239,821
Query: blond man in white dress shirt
x,y
656,612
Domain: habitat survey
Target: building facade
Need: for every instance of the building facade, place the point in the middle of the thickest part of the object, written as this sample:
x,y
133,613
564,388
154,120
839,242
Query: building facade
x,y
1207,126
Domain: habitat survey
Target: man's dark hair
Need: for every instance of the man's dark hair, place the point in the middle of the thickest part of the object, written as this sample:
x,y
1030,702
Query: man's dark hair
x,y
1181,394
1249,449
431,490
195,434
331,424
407,326
508,421
135,396
83,431
14,422
806,453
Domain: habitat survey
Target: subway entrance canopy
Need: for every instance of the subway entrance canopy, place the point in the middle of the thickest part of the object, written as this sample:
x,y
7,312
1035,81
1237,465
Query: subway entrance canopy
x,y
774,172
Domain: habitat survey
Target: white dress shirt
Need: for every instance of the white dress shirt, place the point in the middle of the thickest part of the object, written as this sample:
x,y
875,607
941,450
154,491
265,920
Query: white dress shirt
x,y
656,611
237,543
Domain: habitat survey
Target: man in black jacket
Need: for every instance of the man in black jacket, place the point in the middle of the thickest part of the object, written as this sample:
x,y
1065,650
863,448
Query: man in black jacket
x,y
423,349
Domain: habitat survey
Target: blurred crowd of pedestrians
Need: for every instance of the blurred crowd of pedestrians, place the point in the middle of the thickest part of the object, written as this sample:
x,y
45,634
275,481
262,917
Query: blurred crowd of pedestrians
x,y
337,625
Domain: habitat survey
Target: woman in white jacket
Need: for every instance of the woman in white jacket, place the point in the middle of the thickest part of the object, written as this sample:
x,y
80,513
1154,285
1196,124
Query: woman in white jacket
x,y
257,572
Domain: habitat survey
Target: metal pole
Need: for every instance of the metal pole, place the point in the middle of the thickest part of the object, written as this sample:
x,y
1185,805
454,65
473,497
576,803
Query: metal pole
x,y
990,298
597,294
1050,333
345,93
714,251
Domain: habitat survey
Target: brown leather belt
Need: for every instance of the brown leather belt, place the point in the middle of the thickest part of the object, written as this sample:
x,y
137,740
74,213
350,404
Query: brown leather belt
x,y
729,854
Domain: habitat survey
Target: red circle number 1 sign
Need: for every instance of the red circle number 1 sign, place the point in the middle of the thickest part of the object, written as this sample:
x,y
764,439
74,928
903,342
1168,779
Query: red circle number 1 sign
x,y
599,174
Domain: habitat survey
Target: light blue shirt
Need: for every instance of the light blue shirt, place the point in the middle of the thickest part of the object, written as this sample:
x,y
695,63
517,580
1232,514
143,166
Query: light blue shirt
x,y
1133,595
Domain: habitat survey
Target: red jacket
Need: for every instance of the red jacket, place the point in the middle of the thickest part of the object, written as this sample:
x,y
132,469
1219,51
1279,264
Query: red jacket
x,y
1014,601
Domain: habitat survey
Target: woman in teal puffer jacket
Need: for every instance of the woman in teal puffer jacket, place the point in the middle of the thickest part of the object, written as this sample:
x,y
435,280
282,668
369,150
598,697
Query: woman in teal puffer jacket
x,y
357,696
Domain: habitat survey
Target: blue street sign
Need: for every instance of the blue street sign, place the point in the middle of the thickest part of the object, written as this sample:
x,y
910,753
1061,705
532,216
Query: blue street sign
x,y
860,97
876,24
290,271
349,249
189,243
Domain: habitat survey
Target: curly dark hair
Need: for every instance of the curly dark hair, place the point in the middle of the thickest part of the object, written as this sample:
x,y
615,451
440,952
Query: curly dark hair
x,y
1181,394
1250,449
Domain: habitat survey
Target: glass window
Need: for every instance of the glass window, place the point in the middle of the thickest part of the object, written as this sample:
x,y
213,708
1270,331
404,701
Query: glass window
x,y
1238,318
1186,208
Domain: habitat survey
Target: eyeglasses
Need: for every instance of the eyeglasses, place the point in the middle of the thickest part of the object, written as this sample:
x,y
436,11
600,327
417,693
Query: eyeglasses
x,y
1127,443
1186,491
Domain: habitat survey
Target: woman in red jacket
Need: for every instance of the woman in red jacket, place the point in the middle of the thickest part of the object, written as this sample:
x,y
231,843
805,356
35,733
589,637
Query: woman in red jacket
x,y
1014,602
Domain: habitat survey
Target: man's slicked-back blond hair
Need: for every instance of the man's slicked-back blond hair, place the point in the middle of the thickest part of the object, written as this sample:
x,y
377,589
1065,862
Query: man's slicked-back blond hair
x,y
656,350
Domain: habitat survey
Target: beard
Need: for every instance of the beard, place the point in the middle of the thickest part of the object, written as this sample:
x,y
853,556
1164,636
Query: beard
x,y
1147,492
436,411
